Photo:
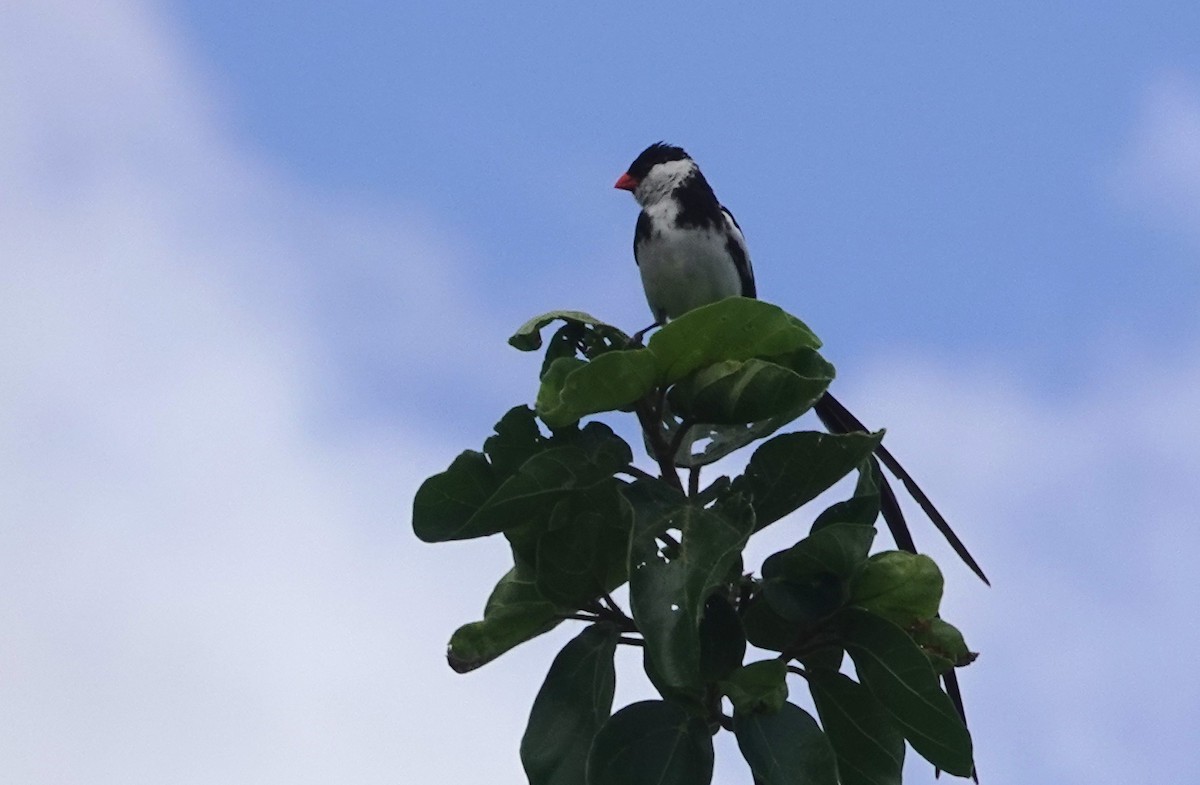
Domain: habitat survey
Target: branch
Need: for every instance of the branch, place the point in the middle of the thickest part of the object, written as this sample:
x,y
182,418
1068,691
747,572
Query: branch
x,y
662,454
677,439
637,474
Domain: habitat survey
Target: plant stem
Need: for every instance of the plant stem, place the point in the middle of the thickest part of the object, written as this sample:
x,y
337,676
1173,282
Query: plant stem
x,y
677,439
637,473
661,451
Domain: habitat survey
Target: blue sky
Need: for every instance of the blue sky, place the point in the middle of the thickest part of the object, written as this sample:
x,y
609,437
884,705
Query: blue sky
x,y
257,267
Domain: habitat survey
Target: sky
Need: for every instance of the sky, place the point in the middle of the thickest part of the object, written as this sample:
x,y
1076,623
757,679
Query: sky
x,y
257,268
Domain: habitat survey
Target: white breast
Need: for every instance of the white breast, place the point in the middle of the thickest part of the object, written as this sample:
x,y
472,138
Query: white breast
x,y
684,268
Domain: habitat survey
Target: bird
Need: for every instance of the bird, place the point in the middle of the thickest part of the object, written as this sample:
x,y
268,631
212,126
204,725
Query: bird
x,y
687,245
690,251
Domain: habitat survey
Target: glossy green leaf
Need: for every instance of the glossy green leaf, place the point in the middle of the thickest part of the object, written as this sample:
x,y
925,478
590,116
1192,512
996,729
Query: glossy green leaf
x,y
551,407
901,678
766,629
805,601
869,747
757,687
785,748
652,743
903,587
532,492
824,658
567,341
446,501
810,580
667,596
574,702
840,550
528,336
483,494
516,440
792,469
604,448
736,328
722,639
583,464
744,391
583,552
515,612
943,644
863,507
611,381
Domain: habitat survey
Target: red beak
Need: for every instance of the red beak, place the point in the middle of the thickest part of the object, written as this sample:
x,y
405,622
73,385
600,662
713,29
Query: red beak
x,y
626,183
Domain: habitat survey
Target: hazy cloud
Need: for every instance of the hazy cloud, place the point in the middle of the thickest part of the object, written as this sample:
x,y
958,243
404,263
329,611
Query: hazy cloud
x,y
1159,173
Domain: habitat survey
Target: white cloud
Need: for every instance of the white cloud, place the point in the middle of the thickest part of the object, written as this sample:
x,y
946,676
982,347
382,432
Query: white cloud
x,y
203,577
1159,173
206,573
1081,508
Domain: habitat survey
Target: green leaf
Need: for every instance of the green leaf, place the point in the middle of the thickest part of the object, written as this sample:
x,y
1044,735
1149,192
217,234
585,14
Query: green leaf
x,y
667,597
900,677
528,336
943,644
611,381
744,391
526,474
806,601
903,587
550,405
792,469
567,341
757,687
827,658
573,703
584,465
869,747
785,748
766,629
722,639
810,580
652,743
862,507
840,550
719,440
532,492
515,612
585,549
736,328
516,440
446,501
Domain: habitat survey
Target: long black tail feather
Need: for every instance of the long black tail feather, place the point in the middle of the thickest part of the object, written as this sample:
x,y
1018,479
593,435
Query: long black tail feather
x,y
950,679
838,419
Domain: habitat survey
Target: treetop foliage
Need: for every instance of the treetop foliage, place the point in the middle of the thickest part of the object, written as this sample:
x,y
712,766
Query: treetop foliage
x,y
724,646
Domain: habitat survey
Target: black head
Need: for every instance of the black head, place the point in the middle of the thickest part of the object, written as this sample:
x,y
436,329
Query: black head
x,y
657,153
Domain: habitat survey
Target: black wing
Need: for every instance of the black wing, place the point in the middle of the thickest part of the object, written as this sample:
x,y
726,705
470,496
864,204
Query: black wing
x,y
640,233
736,245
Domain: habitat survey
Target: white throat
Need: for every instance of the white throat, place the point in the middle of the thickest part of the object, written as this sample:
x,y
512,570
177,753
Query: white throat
x,y
661,181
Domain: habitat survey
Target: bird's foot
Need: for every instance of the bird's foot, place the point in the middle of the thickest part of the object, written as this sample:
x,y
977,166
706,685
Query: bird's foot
x,y
636,340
